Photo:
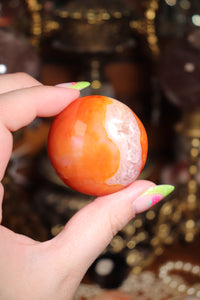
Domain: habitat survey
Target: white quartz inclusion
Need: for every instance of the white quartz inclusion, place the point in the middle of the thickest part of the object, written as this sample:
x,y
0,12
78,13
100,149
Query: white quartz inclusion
x,y
122,128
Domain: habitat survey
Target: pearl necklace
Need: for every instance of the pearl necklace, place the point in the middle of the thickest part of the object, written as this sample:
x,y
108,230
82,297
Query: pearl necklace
x,y
181,286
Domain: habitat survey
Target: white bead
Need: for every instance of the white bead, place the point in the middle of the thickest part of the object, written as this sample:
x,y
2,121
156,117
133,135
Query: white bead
x,y
187,267
198,294
167,279
104,267
182,288
191,291
163,270
178,265
162,274
170,265
195,269
173,284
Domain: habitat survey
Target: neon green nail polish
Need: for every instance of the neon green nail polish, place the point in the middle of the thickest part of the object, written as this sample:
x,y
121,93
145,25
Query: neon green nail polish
x,y
79,85
75,85
151,197
163,189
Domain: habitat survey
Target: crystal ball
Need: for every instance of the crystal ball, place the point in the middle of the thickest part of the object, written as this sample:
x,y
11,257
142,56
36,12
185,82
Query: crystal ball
x,y
97,145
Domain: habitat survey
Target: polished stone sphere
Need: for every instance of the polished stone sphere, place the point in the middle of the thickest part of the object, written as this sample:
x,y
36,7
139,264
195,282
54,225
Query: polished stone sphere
x,y
97,145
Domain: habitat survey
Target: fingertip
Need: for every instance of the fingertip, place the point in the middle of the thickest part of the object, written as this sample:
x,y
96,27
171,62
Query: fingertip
x,y
67,90
55,102
60,95
140,186
132,190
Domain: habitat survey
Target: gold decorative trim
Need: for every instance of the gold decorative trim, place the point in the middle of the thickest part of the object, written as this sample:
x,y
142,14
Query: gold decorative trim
x,y
34,9
145,26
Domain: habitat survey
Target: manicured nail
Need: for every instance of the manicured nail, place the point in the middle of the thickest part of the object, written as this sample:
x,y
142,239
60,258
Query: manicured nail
x,y
75,85
152,196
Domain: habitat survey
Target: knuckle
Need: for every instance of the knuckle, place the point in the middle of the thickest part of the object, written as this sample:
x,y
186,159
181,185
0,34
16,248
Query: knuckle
x,y
23,75
115,224
25,78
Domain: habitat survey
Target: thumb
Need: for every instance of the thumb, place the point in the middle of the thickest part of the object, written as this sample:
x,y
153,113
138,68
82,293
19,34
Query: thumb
x,y
92,228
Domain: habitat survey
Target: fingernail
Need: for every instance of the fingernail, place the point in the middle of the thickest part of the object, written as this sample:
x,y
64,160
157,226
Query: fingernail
x,y
152,196
75,85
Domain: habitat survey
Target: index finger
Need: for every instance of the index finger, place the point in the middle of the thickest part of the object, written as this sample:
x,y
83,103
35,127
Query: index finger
x,y
20,107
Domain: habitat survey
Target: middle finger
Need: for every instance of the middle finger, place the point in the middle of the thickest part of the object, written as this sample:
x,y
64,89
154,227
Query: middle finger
x,y
15,81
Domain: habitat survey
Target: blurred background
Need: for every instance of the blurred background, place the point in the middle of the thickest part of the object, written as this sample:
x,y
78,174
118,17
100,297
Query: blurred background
x,y
145,53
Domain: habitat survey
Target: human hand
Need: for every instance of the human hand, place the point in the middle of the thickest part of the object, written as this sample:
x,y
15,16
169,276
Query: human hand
x,y
53,269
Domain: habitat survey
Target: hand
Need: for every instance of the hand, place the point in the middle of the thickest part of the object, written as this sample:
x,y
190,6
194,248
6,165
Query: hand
x,y
53,269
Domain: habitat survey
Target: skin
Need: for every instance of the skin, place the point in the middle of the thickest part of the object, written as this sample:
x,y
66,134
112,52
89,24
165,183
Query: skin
x,y
52,269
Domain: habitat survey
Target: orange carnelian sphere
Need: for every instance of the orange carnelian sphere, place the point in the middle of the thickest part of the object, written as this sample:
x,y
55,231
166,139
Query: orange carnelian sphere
x,y
97,145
